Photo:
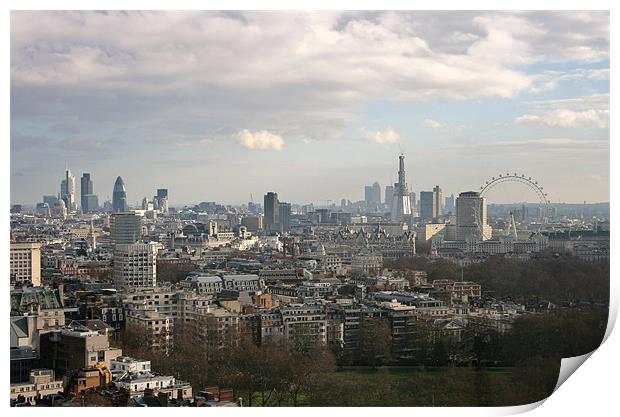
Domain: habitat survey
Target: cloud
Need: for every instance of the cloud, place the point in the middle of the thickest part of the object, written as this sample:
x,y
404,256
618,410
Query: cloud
x,y
564,118
384,136
544,148
433,124
162,72
261,140
589,112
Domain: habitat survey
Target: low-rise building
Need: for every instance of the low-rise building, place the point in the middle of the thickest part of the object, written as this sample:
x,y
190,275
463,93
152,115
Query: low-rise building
x,y
42,382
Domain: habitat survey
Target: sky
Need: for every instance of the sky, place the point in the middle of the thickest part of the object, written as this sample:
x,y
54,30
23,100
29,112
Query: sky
x,y
225,106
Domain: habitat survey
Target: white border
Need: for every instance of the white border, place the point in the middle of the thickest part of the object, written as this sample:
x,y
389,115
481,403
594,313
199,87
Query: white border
x,y
590,391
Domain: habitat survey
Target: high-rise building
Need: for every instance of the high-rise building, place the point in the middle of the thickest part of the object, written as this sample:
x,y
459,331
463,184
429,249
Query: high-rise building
x,y
162,193
438,196
119,196
427,205
372,195
25,263
135,265
389,195
471,217
88,200
376,193
401,210
67,191
412,201
86,186
368,195
160,201
125,228
272,211
90,204
449,206
284,214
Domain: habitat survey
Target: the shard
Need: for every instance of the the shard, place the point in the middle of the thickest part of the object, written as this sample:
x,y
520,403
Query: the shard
x,y
401,207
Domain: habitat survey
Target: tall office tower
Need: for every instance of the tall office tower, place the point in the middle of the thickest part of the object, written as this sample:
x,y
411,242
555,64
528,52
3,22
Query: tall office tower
x,y
160,201
284,214
412,201
88,200
389,195
401,209
272,211
427,205
376,193
135,265
119,196
67,190
25,263
438,195
449,207
369,196
125,228
471,217
90,204
162,193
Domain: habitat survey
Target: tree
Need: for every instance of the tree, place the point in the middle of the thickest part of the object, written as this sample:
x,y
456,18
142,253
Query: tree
x,y
375,341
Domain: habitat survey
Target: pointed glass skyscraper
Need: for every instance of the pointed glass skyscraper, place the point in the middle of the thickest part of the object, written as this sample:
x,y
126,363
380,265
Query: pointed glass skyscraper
x,y
119,196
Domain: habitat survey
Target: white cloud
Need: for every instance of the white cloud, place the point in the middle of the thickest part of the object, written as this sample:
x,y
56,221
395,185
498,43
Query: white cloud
x,y
165,70
433,124
260,140
574,113
564,118
384,136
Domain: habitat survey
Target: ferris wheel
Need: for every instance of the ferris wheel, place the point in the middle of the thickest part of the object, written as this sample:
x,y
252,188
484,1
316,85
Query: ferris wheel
x,y
543,199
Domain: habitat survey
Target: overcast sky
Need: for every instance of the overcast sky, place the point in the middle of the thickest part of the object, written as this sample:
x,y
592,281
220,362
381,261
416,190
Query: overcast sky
x,y
215,106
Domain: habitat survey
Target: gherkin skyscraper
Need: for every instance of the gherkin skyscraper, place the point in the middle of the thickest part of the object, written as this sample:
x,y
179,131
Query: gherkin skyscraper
x,y
119,196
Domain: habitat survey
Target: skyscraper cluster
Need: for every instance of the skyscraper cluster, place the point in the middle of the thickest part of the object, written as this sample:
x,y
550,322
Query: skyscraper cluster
x,y
372,196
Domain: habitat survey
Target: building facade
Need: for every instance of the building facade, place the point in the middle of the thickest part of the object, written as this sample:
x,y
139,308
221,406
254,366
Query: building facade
x,y
25,263
135,265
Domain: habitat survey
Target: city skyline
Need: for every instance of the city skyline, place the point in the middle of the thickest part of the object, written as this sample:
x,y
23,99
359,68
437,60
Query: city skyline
x,y
464,95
